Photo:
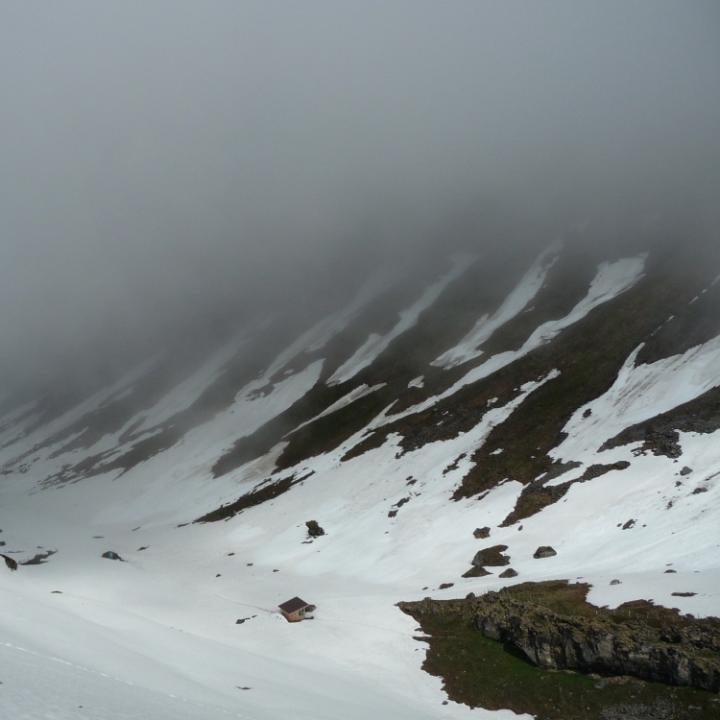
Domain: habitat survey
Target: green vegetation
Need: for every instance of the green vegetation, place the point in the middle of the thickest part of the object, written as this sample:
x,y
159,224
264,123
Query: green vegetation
x,y
484,673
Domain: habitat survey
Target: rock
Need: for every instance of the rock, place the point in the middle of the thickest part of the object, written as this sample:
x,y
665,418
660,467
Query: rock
x,y
39,558
481,533
10,562
491,556
699,489
629,524
615,582
587,413
314,530
470,596
686,470
683,594
670,570
111,555
509,573
445,586
476,572
555,627
544,551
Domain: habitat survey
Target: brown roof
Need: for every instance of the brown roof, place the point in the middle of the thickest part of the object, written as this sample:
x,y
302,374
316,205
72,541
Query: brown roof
x,y
293,605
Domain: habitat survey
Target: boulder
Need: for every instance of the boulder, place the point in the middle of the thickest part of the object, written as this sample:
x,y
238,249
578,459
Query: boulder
x,y
492,556
509,573
476,572
111,555
481,533
544,551
314,529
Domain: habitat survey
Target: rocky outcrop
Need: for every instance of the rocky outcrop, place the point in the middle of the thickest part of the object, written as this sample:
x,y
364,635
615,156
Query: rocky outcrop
x,y
675,655
567,633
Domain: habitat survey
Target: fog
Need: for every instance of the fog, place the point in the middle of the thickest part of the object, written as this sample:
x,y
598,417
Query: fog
x,y
171,165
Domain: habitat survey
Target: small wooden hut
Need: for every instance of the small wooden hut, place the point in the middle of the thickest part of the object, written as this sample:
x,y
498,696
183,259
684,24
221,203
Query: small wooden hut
x,y
296,609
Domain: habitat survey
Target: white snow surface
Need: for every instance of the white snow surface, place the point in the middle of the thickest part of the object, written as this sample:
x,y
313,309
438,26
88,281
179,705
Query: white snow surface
x,y
641,392
155,637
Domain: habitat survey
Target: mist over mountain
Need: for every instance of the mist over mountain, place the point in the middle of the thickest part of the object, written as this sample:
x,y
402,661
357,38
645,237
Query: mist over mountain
x,y
398,317
169,167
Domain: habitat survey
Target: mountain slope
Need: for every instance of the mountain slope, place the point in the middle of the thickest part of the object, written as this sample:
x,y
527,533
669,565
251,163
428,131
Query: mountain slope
x,y
567,400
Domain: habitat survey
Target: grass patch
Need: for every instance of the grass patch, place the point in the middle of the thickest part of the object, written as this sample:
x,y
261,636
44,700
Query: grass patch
x,y
480,672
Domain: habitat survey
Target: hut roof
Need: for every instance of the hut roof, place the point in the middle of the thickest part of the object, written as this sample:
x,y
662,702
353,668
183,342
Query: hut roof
x,y
293,605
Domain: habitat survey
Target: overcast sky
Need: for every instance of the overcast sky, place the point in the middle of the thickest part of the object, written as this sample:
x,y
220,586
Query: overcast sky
x,y
164,160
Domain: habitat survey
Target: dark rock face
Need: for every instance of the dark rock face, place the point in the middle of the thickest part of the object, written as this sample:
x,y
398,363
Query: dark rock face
x,y
481,533
314,530
544,551
555,628
677,656
111,555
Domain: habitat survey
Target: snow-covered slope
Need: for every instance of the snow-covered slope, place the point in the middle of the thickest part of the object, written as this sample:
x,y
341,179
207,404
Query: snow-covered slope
x,y
523,395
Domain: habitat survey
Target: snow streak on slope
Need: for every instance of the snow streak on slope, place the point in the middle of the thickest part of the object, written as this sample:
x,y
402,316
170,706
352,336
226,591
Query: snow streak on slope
x,y
97,400
188,391
640,392
611,280
376,344
321,333
470,346
360,391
